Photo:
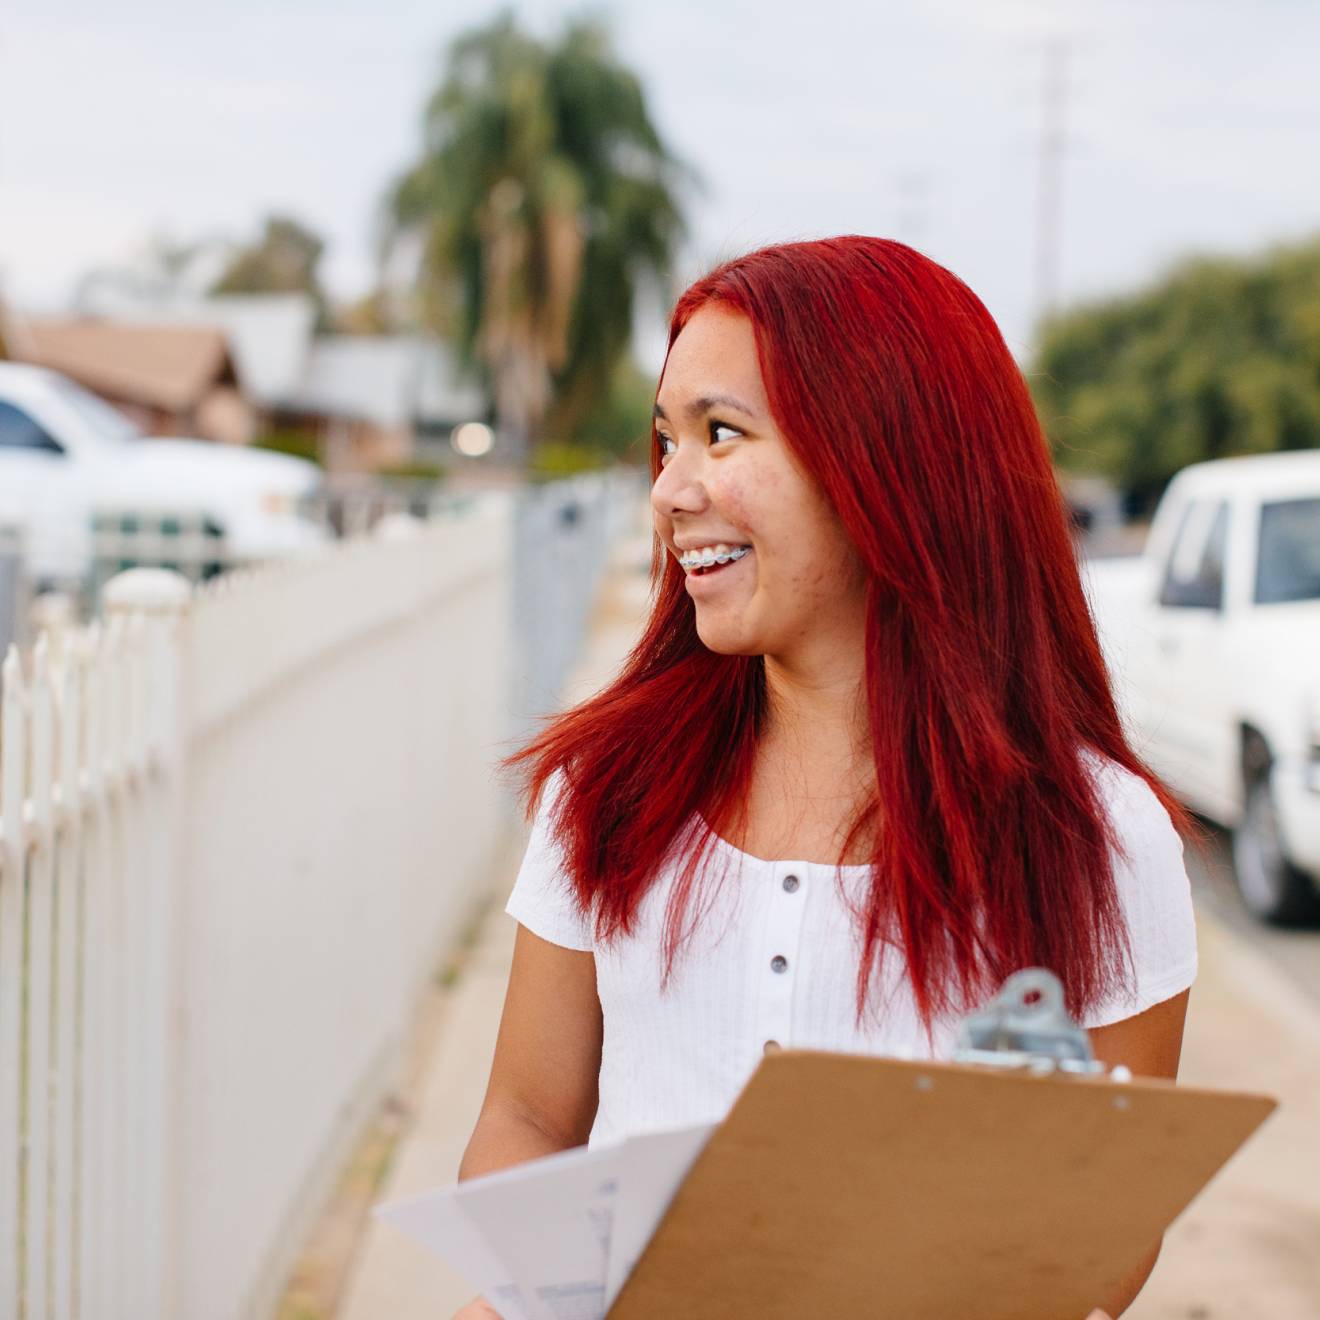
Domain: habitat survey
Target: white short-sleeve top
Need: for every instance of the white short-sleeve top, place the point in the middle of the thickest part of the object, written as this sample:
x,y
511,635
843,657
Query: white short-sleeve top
x,y
774,958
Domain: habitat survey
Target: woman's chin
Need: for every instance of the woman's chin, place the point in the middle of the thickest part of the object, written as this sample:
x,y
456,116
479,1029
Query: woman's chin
x,y
724,637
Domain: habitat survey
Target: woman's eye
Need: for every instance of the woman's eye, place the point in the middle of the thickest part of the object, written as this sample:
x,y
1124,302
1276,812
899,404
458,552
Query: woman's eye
x,y
669,446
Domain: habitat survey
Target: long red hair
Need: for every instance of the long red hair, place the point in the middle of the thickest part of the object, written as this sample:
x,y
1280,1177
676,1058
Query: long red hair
x,y
984,675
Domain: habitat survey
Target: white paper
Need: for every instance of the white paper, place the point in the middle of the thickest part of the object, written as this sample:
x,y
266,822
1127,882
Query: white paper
x,y
555,1238
651,1169
436,1221
552,1228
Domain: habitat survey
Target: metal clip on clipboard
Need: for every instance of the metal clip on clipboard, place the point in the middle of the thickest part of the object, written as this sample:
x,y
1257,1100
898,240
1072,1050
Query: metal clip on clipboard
x,y
1027,1027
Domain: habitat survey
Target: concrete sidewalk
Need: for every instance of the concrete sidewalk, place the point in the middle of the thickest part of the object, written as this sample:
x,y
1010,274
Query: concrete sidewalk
x,y
392,1279
1248,1249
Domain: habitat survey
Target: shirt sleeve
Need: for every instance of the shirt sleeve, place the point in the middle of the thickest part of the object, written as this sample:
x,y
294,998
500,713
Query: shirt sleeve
x,y
1155,896
543,899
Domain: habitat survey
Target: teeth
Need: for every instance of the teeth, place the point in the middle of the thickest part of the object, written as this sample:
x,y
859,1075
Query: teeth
x,y
710,555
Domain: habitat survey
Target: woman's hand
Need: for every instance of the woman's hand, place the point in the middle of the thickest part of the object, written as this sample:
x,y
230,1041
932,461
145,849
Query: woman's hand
x,y
480,1309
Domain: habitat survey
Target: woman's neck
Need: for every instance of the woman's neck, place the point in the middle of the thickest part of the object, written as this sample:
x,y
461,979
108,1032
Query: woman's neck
x,y
817,712
813,767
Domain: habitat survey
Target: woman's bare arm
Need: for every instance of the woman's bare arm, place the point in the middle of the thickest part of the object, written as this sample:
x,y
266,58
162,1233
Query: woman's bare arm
x,y
1150,1044
542,1094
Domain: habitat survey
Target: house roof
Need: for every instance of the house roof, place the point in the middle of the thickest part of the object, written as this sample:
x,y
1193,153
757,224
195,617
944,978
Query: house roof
x,y
386,379
368,378
270,334
170,367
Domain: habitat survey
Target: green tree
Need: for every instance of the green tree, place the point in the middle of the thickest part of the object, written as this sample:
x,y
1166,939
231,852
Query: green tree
x,y
618,423
1220,357
542,197
283,260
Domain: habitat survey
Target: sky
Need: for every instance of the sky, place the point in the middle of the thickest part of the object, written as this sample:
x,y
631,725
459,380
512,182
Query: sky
x,y
1188,126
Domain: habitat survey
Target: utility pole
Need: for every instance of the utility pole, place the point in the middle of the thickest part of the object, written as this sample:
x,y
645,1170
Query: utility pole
x,y
1049,194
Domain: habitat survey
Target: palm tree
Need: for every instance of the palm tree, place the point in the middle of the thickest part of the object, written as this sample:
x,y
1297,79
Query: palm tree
x,y
542,197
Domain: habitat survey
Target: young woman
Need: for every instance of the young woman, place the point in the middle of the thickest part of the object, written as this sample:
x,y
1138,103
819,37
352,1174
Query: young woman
x,y
864,761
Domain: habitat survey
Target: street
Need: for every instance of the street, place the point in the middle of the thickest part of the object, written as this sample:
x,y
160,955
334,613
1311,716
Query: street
x,y
1294,952
1245,1248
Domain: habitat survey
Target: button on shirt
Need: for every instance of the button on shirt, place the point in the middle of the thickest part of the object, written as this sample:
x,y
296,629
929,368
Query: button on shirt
x,y
773,964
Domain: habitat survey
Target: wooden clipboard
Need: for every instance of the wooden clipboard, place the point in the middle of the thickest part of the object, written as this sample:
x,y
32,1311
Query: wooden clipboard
x,y
849,1186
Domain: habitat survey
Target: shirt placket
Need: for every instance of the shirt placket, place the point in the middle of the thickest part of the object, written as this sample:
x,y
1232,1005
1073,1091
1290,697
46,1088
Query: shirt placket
x,y
780,955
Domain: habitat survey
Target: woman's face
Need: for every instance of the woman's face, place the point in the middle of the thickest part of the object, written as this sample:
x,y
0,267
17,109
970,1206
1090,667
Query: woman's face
x,y
729,479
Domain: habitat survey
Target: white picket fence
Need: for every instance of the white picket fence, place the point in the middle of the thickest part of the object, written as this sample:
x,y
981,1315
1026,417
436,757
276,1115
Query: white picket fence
x,y
238,824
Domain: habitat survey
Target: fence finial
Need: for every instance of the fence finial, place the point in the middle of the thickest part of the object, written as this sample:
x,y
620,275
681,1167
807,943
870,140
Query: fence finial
x,y
147,591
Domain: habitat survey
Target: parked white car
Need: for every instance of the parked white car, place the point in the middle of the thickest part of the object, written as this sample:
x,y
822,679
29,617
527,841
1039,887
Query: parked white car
x,y
1213,639
65,454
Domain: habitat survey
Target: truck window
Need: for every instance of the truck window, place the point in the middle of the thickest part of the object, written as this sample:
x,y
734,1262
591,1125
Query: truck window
x,y
1194,575
108,422
1288,552
19,431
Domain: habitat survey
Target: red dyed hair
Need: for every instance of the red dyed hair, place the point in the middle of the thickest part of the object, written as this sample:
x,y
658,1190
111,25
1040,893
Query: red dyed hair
x,y
983,672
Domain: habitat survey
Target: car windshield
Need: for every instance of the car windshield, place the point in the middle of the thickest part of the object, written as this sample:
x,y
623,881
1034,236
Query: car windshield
x,y
107,422
1288,566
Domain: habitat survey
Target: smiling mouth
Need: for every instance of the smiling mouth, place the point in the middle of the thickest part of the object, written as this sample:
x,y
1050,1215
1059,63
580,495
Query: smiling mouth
x,y
705,570
712,559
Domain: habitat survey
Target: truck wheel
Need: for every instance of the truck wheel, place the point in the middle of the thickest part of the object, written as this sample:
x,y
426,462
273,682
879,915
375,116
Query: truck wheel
x,y
1271,886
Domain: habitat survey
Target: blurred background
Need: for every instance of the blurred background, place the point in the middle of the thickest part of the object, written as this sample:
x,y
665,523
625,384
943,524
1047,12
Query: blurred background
x,y
328,339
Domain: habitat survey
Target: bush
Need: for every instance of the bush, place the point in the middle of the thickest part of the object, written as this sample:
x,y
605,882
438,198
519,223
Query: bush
x,y
297,443
554,459
1219,357
414,469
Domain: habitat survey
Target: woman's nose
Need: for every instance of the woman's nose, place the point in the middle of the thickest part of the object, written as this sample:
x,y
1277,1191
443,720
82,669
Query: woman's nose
x,y
679,488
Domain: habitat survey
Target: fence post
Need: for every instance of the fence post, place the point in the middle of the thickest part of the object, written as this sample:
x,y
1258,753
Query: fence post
x,y
13,853
13,588
157,600
54,613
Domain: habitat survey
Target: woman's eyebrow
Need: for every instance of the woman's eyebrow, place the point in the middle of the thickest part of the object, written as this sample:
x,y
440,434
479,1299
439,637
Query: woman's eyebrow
x,y
704,404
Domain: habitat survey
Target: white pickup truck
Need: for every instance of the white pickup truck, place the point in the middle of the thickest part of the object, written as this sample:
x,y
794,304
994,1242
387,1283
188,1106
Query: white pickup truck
x,y
1213,640
65,455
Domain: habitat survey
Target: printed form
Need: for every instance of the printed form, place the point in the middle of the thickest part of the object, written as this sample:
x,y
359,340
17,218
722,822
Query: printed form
x,y
555,1238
